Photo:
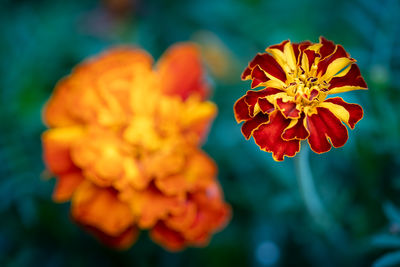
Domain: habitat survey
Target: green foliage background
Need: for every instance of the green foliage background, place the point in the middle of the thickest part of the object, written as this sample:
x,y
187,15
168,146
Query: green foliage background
x,y
41,41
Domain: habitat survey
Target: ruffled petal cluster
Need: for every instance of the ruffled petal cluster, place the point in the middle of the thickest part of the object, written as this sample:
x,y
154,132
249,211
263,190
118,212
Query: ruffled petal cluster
x,y
294,103
124,144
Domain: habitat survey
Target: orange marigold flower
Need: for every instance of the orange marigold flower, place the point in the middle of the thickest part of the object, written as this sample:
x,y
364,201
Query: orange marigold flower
x,y
202,213
124,146
297,79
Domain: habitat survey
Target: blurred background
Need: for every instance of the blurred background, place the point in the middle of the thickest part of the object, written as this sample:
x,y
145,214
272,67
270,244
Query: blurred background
x,y
359,184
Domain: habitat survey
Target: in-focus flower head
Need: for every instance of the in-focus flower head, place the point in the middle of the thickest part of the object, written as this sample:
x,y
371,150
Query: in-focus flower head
x,y
124,145
294,103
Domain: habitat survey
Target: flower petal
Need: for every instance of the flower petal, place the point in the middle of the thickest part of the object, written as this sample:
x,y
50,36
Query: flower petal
x,y
327,48
298,49
288,109
199,171
284,55
168,238
210,200
250,125
182,221
101,157
269,65
268,137
57,145
252,98
351,81
258,76
246,74
333,63
66,185
336,66
308,58
151,205
203,213
314,93
91,205
181,71
197,117
296,129
265,106
241,110
98,88
324,126
346,112
212,214
278,47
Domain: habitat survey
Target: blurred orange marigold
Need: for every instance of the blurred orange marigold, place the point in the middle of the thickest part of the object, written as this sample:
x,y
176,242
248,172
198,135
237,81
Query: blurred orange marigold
x,y
124,145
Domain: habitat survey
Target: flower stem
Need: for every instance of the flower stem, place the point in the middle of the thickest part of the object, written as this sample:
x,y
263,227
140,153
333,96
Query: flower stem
x,y
309,193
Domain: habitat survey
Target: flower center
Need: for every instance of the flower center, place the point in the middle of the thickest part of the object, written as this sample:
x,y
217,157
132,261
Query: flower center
x,y
306,88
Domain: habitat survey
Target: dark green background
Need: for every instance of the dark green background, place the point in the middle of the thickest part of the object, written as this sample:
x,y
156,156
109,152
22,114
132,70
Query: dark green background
x,y
41,41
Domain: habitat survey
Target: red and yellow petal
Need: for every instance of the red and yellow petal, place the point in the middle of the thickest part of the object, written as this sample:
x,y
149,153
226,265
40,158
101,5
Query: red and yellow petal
x,y
296,129
252,124
327,48
246,75
279,47
269,65
288,109
334,63
181,72
298,49
346,112
249,106
351,81
323,127
258,77
308,58
241,110
265,106
314,93
284,55
268,137
252,99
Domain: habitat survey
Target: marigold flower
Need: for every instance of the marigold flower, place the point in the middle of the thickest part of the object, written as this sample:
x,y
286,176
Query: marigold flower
x,y
124,146
297,79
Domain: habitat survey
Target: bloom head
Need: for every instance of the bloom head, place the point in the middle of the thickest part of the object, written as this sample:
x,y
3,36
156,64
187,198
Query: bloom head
x,y
294,103
124,145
